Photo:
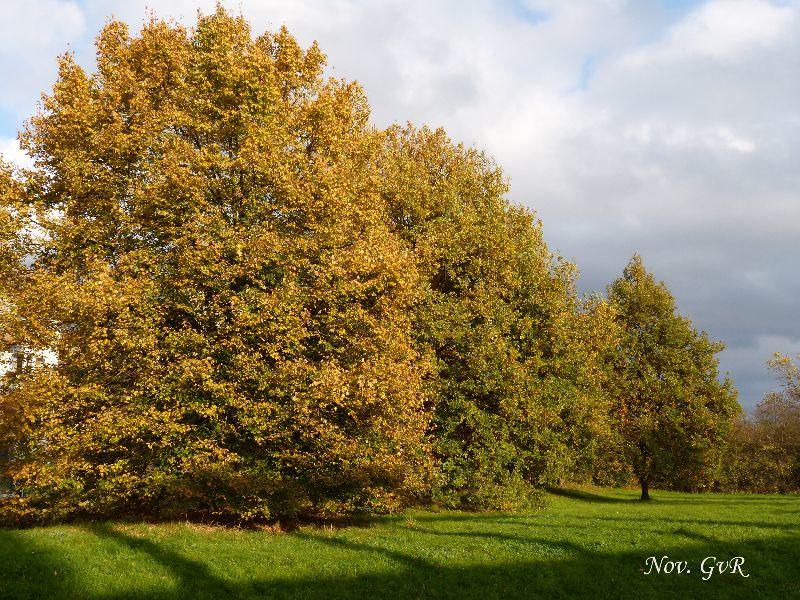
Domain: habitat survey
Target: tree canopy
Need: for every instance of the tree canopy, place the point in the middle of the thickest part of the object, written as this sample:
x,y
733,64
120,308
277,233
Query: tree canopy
x,y
260,306
671,411
227,304
764,448
518,357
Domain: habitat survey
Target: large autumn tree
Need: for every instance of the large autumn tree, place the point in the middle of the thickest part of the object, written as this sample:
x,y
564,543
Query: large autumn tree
x,y
671,410
258,305
517,395
207,255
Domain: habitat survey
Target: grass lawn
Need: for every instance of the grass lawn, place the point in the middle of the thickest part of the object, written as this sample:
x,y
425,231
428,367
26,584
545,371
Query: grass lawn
x,y
589,544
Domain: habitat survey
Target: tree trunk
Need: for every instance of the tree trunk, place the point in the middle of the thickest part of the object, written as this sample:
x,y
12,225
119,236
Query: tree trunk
x,y
645,489
19,358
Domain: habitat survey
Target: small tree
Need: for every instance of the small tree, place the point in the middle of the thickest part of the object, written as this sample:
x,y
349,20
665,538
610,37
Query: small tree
x,y
671,411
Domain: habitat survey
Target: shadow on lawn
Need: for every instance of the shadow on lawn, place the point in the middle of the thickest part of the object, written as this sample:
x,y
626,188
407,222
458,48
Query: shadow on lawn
x,y
660,521
193,575
575,494
28,570
553,569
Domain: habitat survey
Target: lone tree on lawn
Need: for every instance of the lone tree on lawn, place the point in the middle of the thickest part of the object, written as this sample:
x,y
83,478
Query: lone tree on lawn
x,y
671,411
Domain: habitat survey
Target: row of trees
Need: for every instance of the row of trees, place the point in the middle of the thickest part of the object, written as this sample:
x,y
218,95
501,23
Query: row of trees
x,y
261,306
764,449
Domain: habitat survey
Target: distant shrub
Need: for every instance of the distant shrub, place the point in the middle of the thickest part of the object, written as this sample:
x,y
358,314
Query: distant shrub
x,y
763,452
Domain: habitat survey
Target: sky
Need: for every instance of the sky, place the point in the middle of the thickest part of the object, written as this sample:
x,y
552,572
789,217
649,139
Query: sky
x,y
667,128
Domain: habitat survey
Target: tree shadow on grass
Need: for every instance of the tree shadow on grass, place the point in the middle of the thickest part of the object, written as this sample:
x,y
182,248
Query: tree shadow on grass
x,y
716,502
584,573
195,578
31,571
587,496
407,567
563,547
661,520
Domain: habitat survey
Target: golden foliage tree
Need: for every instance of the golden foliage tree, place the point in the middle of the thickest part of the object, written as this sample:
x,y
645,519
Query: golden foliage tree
x,y
764,450
260,306
213,269
517,399
671,412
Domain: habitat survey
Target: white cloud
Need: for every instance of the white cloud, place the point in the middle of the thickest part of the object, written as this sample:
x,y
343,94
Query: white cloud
x,y
32,34
11,152
722,30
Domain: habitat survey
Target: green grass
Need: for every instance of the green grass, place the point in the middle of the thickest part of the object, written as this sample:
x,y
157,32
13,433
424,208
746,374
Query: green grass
x,y
589,544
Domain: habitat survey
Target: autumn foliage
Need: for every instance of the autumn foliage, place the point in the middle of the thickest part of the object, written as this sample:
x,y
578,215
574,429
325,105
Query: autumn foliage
x,y
227,302
671,413
260,306
764,448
